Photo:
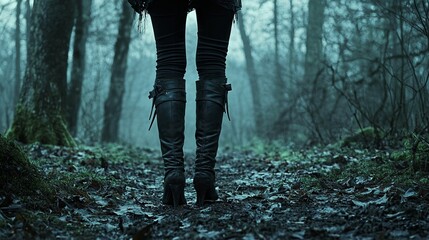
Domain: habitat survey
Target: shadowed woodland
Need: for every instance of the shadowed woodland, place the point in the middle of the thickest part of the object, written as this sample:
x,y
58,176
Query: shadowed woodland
x,y
328,138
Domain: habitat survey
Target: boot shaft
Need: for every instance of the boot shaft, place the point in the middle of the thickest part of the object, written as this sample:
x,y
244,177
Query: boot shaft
x,y
169,100
211,100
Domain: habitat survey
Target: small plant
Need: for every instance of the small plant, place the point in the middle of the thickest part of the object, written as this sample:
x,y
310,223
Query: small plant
x,y
415,154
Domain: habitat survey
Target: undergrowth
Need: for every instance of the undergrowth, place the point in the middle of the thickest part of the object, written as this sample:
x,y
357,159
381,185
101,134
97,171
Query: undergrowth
x,y
403,166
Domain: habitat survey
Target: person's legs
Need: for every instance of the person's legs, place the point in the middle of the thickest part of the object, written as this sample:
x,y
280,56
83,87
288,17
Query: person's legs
x,y
169,96
214,27
169,22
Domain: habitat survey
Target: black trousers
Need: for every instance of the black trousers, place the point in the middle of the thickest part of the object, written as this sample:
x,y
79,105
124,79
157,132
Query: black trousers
x,y
214,28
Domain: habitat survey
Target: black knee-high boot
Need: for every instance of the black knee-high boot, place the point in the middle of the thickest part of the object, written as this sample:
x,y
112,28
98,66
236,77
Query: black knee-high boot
x,y
211,100
169,99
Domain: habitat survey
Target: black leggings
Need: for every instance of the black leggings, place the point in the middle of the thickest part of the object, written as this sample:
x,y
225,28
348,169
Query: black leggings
x,y
214,28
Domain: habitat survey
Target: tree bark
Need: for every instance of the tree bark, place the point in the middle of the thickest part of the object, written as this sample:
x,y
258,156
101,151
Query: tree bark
x,y
314,95
39,113
292,64
27,20
313,55
113,103
279,86
82,21
400,93
253,77
17,53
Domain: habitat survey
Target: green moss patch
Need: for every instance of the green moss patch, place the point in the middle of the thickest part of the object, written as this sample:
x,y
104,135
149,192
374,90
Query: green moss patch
x,y
17,175
366,137
29,127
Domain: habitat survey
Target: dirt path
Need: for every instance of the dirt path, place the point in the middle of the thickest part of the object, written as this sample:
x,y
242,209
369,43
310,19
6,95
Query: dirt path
x,y
261,197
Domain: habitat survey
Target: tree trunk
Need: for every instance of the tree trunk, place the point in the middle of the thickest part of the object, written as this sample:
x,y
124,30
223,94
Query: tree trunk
x,y
113,103
400,93
253,77
39,113
292,64
83,17
279,82
315,91
313,55
27,20
17,53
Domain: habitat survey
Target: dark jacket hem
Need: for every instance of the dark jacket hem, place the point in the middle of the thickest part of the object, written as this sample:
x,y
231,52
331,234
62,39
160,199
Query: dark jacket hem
x,y
140,6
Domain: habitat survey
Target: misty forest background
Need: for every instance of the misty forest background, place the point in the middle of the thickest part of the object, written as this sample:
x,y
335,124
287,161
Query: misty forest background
x,y
303,72
328,138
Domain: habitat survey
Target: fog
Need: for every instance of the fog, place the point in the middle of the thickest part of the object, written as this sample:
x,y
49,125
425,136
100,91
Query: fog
x,y
369,71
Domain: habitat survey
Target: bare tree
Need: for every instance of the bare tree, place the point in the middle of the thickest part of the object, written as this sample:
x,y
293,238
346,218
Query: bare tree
x,y
17,52
313,55
113,103
279,81
28,20
314,91
253,77
83,17
291,56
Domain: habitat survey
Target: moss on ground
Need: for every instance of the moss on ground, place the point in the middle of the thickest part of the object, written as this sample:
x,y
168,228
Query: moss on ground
x,y
368,136
415,153
17,175
396,168
29,127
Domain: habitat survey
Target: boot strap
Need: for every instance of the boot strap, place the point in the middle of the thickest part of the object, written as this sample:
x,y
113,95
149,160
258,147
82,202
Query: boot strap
x,y
228,88
220,89
157,91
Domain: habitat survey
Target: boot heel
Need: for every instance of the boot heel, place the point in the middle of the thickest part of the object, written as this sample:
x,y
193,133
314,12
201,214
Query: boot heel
x,y
205,189
178,194
201,194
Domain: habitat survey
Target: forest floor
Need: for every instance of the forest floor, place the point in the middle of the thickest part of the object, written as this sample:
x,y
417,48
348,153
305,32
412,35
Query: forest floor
x,y
114,192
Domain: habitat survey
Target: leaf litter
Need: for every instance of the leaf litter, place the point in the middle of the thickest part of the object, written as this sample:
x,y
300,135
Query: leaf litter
x,y
114,192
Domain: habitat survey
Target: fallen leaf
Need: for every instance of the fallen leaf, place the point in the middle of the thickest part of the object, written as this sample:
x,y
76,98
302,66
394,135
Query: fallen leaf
x,y
131,208
379,201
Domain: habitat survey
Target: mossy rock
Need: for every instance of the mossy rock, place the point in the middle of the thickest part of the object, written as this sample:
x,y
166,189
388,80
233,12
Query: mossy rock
x,y
366,137
17,175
